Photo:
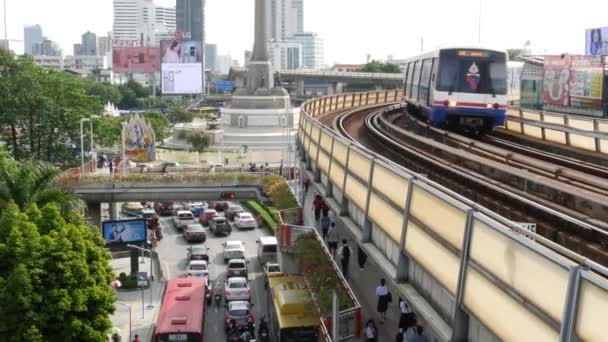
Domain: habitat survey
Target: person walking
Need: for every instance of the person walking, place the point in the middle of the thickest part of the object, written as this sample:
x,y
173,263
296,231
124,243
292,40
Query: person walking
x,y
345,253
371,332
417,337
316,206
324,209
384,297
111,166
325,222
361,257
136,339
306,184
332,239
407,318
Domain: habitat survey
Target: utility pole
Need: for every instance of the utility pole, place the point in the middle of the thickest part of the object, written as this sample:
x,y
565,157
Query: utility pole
x,y
5,31
479,23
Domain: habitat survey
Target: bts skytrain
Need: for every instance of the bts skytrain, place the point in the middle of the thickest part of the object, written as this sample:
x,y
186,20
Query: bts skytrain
x,y
460,87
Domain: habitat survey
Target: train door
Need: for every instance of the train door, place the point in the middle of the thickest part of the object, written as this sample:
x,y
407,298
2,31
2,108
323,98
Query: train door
x,y
433,80
425,82
416,81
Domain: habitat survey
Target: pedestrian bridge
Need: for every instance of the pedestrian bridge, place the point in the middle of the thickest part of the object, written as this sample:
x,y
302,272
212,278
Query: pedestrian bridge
x,y
465,270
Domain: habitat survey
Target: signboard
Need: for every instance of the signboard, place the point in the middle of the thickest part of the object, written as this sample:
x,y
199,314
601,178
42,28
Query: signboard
x,y
586,83
226,86
531,227
139,139
556,80
181,67
142,279
135,59
124,231
125,42
596,41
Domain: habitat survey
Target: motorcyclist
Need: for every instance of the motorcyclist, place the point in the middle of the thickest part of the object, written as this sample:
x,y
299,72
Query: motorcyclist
x,y
263,330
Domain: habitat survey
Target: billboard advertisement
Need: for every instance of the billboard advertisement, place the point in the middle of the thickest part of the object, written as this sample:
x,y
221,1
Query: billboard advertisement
x,y
596,41
586,83
556,80
135,59
124,231
139,140
181,67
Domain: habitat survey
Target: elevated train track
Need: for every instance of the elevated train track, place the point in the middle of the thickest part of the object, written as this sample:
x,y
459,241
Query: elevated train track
x,y
493,177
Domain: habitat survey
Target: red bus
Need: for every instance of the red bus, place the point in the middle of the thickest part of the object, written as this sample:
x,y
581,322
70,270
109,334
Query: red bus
x,y
182,312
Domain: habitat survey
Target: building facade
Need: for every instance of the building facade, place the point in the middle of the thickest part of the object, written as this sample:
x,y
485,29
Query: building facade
x,y
312,49
224,63
84,64
286,55
76,49
3,44
190,18
165,19
88,45
126,19
286,18
53,62
104,44
31,35
210,56
46,47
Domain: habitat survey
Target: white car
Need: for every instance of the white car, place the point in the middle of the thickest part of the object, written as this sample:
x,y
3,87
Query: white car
x,y
198,268
182,219
244,221
233,250
237,288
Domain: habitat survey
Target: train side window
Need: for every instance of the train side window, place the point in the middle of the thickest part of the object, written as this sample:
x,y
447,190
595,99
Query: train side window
x,y
407,75
425,80
416,79
410,76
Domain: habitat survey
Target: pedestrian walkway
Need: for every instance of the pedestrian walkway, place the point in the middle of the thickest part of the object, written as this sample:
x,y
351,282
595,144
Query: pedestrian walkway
x,y
363,283
135,304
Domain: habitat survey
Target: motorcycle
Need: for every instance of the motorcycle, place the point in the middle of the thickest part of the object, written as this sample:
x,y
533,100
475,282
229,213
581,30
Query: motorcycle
x,y
263,331
218,300
159,233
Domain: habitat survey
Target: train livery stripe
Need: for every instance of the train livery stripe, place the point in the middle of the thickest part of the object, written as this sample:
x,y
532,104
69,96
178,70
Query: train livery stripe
x,y
468,104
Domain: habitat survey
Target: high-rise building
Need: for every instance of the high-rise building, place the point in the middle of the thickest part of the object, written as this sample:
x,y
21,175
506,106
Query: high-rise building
x,y
126,19
190,19
3,44
224,63
46,47
286,55
77,49
286,18
312,49
31,35
247,57
88,45
104,44
165,19
210,56
147,23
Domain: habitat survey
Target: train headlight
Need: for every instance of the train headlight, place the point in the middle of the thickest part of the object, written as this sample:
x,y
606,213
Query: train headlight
x,y
452,103
489,105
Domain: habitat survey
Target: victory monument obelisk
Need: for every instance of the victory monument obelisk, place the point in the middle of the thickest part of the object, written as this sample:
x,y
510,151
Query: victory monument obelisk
x,y
259,105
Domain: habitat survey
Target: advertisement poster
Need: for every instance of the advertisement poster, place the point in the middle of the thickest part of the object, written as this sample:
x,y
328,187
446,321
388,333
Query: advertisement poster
x,y
139,140
596,41
181,67
135,59
586,83
556,80
124,231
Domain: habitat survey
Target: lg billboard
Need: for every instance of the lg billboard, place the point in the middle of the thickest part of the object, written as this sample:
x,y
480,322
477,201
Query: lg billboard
x,y
181,67
135,59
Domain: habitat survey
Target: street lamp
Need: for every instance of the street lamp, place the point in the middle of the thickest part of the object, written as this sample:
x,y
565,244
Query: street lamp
x,y
142,299
129,307
124,149
92,142
82,121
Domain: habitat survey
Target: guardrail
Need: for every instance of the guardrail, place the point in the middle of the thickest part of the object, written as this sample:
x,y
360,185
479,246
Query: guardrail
x,y
587,133
487,271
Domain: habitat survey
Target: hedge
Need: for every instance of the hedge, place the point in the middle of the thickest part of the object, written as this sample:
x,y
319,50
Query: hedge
x,y
277,189
258,209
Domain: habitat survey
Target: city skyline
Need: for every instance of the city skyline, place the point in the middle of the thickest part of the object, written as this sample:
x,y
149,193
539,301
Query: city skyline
x,y
386,32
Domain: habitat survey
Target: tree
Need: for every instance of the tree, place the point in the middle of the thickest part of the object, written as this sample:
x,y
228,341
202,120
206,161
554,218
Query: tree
x,y
178,114
54,278
129,98
105,91
199,141
31,183
514,53
377,66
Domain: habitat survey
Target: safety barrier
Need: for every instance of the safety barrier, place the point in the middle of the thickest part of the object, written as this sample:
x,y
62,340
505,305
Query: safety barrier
x,y
587,133
516,288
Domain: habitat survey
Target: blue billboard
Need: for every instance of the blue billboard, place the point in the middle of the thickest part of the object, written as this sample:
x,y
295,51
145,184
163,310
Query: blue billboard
x,y
124,231
227,86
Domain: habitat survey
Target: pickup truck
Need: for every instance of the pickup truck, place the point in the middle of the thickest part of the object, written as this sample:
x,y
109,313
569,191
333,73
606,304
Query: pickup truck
x,y
271,270
182,219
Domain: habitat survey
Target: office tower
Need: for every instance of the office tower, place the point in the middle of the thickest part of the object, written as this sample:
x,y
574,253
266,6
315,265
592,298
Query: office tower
x,y
165,19
77,49
210,56
88,45
126,19
31,35
286,18
312,49
190,19
104,44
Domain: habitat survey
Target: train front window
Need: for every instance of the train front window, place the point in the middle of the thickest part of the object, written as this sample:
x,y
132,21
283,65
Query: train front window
x,y
469,71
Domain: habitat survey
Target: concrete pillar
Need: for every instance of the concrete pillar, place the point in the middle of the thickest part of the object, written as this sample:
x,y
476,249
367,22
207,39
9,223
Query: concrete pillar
x,y
460,329
330,188
403,268
317,174
344,206
367,231
300,88
114,211
378,87
333,88
339,88
134,261
94,214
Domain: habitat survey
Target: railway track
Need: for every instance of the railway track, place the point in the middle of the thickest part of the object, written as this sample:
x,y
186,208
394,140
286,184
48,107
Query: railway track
x,y
373,128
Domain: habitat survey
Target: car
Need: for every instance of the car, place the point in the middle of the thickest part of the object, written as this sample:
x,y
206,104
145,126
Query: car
x,y
198,252
195,207
244,221
220,226
132,208
195,232
221,206
207,216
198,268
240,312
164,207
237,288
232,210
182,219
233,250
236,268
151,217
271,269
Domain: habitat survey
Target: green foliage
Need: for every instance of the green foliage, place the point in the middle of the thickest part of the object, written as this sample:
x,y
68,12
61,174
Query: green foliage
x,y
258,209
200,141
128,282
30,183
322,276
377,66
277,189
54,278
105,91
179,115
514,53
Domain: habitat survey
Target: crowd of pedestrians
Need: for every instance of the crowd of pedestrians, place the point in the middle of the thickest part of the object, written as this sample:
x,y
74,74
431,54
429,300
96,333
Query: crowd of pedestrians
x,y
409,329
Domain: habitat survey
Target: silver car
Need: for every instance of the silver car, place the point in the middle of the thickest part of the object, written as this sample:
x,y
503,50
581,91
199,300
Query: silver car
x,y
198,268
237,288
233,250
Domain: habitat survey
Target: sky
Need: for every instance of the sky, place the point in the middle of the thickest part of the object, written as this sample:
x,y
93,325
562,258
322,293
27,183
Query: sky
x,y
351,29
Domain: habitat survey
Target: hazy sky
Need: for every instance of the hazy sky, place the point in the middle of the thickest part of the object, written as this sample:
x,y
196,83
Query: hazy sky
x,y
351,29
